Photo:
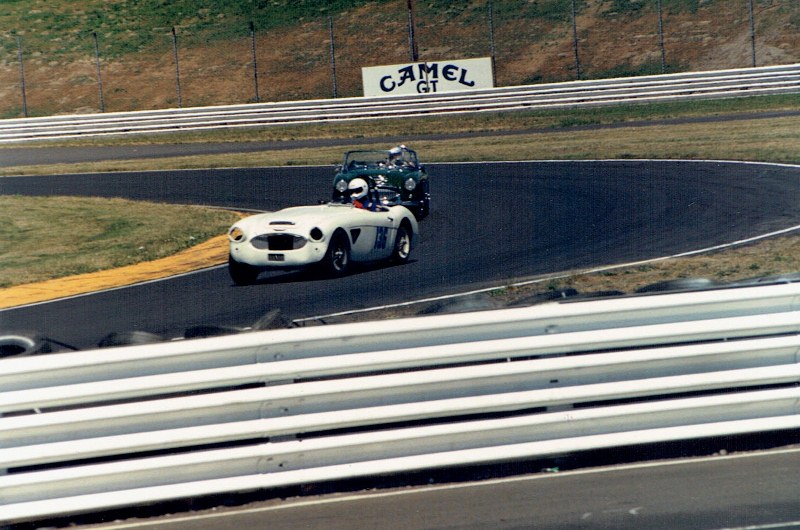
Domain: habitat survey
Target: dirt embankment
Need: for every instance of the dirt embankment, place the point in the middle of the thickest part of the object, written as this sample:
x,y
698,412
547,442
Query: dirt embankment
x,y
294,63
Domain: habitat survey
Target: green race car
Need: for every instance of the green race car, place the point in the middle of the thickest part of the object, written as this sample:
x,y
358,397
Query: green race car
x,y
395,176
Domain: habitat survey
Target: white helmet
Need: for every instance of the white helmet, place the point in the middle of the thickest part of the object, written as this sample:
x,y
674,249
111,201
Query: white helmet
x,y
395,151
358,188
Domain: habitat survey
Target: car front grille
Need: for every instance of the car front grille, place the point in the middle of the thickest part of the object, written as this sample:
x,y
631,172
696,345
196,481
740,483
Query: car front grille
x,y
280,242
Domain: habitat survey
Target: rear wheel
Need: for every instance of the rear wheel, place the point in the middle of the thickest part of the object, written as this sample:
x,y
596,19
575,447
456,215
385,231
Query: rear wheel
x,y
402,244
337,258
241,273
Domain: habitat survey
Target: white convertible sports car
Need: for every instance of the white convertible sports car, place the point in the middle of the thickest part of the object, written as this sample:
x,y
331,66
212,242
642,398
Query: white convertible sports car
x,y
330,236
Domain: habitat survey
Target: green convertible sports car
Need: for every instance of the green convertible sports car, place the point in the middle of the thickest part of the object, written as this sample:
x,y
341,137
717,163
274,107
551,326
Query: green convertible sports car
x,y
395,176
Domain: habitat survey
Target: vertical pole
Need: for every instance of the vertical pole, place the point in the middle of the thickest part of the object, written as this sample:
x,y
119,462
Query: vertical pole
x,y
255,61
491,42
177,66
97,68
752,31
22,77
575,41
412,41
661,39
333,55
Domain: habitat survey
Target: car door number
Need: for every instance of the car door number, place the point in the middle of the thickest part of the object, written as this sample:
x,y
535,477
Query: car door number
x,y
381,238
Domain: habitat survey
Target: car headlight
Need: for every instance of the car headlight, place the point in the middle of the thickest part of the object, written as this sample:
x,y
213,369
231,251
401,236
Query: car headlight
x,y
341,186
236,234
410,184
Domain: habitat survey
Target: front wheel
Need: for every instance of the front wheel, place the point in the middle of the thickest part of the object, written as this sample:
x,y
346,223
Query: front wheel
x,y
337,258
402,245
241,273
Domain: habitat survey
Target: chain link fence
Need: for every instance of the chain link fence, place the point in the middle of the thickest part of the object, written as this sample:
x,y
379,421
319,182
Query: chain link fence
x,y
215,58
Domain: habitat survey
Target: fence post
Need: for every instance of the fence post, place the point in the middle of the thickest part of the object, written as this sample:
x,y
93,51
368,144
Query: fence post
x,y
22,77
177,66
97,68
491,42
333,54
255,60
575,41
752,31
412,40
661,38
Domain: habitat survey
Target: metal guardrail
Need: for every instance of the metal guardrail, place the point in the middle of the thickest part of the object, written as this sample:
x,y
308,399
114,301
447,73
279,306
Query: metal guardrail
x,y
713,84
89,431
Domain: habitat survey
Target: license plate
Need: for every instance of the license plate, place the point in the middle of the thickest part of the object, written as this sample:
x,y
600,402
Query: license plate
x,y
276,257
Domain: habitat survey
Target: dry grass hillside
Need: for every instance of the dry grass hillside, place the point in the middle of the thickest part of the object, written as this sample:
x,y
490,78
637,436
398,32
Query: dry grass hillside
x,y
533,43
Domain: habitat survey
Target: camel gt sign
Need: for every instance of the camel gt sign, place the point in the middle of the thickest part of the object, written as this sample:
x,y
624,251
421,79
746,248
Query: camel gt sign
x,y
424,78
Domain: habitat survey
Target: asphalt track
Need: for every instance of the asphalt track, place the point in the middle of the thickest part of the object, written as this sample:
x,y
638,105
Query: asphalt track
x,y
491,223
756,491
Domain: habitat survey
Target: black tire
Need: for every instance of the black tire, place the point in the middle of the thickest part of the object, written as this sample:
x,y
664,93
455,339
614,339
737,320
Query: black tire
x,y
241,273
129,338
337,258
22,344
402,244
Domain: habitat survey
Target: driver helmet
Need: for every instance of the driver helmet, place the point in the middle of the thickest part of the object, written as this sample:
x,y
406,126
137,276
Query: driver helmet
x,y
395,155
358,189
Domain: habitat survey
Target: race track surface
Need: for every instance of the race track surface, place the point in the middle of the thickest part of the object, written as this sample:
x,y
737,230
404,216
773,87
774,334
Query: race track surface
x,y
491,223
756,491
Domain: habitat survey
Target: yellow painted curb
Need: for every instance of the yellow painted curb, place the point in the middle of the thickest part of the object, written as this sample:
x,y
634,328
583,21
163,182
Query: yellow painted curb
x,y
206,254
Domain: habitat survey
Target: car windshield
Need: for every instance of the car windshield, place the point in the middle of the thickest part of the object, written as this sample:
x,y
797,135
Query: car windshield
x,y
373,159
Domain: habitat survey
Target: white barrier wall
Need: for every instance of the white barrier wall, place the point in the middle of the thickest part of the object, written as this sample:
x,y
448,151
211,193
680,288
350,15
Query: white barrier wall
x,y
678,87
81,434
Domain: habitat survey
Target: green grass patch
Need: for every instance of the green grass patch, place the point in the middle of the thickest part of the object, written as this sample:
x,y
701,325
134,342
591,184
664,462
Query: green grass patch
x,y
52,237
62,29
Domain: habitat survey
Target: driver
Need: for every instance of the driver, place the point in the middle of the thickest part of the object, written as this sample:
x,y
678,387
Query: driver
x,y
396,156
360,196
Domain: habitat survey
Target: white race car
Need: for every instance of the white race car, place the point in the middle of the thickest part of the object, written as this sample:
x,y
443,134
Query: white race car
x,y
330,236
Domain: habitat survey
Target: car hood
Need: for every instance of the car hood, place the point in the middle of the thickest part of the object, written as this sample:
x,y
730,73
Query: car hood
x,y
299,219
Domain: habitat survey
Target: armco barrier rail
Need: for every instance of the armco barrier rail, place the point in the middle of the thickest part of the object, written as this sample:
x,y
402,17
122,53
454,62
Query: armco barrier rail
x,y
90,431
713,84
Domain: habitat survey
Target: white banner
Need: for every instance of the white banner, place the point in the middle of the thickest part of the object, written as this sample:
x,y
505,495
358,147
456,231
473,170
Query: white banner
x,y
423,78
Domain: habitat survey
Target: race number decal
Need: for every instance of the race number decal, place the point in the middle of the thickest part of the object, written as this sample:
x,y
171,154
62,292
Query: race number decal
x,y
380,237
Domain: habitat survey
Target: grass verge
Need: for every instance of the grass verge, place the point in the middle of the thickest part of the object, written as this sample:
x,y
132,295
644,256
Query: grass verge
x,y
52,237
